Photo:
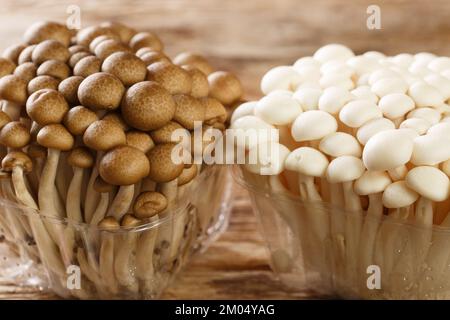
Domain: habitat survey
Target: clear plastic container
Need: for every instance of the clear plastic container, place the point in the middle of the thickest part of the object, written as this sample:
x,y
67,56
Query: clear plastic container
x,y
127,263
334,252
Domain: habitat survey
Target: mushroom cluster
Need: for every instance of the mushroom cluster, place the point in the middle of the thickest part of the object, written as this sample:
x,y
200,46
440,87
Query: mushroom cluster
x,y
86,125
370,135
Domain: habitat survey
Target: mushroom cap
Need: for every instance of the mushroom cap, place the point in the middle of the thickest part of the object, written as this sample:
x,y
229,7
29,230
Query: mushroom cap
x,y
441,129
25,54
14,89
214,110
278,108
345,169
80,157
77,48
128,220
247,127
425,95
358,112
430,150
173,78
396,105
55,136
124,32
117,119
47,106
86,35
69,89
78,119
4,119
162,167
15,135
125,66
101,91
17,159
399,195
140,140
148,204
109,223
267,158
246,108
149,56
307,161
26,71
280,78
147,106
200,85
429,182
313,125
308,97
46,30
76,57
421,126
42,82
225,87
193,60
372,182
390,85
124,165
145,39
13,51
104,135
333,99
50,50
57,69
6,67
86,66
164,134
188,111
102,186
108,47
432,115
340,144
372,127
96,41
333,51
387,150
187,175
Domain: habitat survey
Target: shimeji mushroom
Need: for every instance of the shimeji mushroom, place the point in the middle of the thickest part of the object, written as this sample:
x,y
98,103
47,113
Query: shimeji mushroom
x,y
333,51
45,30
333,99
431,149
171,77
86,66
106,255
105,48
145,39
125,66
13,91
225,87
425,95
421,126
312,126
283,77
358,112
42,82
105,189
395,106
433,116
278,109
244,109
194,60
200,85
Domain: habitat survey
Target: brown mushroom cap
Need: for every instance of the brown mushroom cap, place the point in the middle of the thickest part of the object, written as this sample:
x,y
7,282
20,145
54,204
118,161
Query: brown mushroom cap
x,y
102,186
109,223
125,33
147,106
140,140
78,119
145,39
15,135
188,111
107,47
95,42
35,150
55,136
80,157
86,35
46,30
69,89
25,54
104,135
162,168
125,66
128,220
77,48
187,175
42,82
148,204
151,57
200,85
87,66
173,78
57,69
4,119
214,111
12,52
14,89
194,60
17,159
26,71
101,91
6,67
117,119
50,50
225,87
47,106
76,57
124,165
164,134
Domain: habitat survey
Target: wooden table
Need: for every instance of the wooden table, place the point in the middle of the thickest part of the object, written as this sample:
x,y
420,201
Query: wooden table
x,y
248,38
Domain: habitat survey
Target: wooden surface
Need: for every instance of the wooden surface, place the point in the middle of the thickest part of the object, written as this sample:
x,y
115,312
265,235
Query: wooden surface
x,y
246,37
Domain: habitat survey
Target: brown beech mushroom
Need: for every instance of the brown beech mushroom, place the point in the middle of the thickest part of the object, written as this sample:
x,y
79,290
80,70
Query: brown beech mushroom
x,y
123,166
188,111
26,71
117,119
78,119
94,43
126,67
77,48
76,57
57,69
214,111
25,55
87,66
69,89
101,91
124,32
6,67
162,168
13,51
164,134
200,85
13,90
145,39
147,106
140,140
42,82
38,154
193,60
149,204
50,50
47,106
86,35
105,48
173,78
225,87
149,56
15,135
46,30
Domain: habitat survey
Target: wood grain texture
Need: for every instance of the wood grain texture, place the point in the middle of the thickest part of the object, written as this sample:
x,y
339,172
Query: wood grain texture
x,y
248,38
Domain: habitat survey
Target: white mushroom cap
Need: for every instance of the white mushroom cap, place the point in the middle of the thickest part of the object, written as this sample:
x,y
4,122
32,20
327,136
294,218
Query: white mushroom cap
x,y
396,105
374,54
307,161
399,195
429,182
431,149
344,169
306,62
420,125
364,93
336,80
372,182
333,99
358,112
424,57
267,158
333,52
403,59
430,114
313,125
386,86
250,131
381,74
244,109
425,95
372,127
308,98
441,83
442,129
337,67
439,64
279,109
308,73
387,150
283,77
340,144
363,64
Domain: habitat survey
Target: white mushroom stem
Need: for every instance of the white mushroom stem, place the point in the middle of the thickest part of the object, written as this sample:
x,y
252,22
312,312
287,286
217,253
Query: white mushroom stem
x,y
92,197
73,203
124,260
106,262
102,208
398,173
122,202
337,220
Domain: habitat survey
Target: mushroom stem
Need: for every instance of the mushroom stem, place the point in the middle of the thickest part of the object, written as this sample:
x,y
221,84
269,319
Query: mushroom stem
x,y
398,173
337,228
62,179
122,202
106,262
92,197
102,208
73,207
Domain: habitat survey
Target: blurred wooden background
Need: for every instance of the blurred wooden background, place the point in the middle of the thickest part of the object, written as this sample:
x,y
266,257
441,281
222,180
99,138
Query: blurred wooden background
x,y
246,37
